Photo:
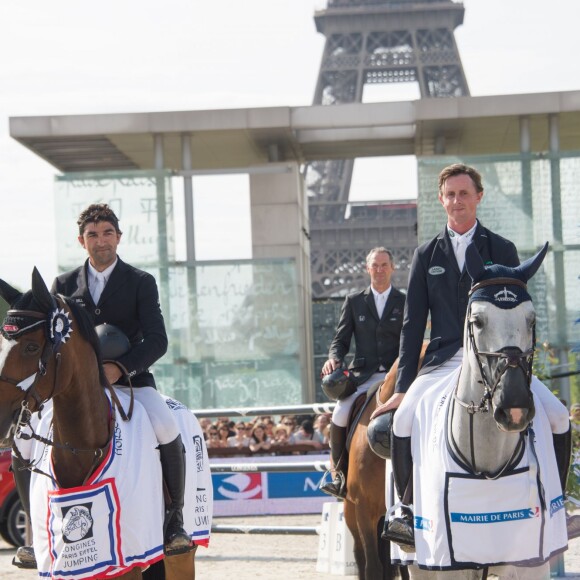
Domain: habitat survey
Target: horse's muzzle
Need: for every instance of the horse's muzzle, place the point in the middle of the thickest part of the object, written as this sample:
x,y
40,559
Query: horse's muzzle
x,y
514,419
512,401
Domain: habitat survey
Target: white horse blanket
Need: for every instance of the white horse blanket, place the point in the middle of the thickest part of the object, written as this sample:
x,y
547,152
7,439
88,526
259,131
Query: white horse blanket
x,y
198,510
464,521
115,521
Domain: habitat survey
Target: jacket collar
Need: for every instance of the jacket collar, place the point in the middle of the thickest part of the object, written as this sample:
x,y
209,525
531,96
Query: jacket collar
x,y
444,243
115,280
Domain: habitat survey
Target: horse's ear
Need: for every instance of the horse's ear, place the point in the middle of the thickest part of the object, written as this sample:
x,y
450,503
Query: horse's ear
x,y
473,263
40,292
530,266
10,294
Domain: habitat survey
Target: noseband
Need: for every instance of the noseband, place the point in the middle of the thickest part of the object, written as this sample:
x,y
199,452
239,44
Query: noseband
x,y
508,357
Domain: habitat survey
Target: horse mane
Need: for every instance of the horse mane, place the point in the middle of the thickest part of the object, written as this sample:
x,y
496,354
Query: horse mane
x,y
87,331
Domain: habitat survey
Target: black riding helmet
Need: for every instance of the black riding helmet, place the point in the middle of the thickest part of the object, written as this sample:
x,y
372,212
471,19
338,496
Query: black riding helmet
x,y
339,384
379,434
114,342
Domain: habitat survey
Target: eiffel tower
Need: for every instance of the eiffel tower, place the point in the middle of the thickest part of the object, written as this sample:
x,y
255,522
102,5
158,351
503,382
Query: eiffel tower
x,y
369,42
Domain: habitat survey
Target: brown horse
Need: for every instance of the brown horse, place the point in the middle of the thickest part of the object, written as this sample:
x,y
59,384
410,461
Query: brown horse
x,y
49,341
364,507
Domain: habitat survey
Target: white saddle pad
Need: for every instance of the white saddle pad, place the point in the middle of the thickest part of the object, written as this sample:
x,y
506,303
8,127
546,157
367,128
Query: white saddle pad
x,y
464,521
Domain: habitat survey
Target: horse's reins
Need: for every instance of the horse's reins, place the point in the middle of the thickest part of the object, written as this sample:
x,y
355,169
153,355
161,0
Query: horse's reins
x,y
523,360
23,419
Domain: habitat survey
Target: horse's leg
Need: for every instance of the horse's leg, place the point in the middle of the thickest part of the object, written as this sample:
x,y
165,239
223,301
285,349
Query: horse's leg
x,y
518,573
418,574
180,567
366,489
351,523
367,517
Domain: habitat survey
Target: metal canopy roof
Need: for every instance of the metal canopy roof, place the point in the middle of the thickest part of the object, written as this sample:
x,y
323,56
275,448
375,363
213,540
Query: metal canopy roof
x,y
232,138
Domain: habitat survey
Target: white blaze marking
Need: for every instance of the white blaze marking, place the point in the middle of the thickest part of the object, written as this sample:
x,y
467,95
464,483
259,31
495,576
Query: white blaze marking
x,y
7,346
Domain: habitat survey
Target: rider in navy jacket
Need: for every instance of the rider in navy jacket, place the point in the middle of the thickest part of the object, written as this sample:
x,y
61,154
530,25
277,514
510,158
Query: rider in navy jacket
x,y
437,286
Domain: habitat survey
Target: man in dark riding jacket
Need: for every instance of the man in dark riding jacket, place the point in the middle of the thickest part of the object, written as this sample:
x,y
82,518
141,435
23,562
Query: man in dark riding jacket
x,y
374,317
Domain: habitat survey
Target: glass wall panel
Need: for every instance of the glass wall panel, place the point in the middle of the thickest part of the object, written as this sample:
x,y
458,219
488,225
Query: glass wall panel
x,y
234,340
233,326
134,196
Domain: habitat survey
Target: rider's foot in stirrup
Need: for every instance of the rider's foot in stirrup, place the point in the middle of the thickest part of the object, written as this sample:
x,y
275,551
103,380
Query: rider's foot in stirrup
x,y
177,540
336,487
400,530
25,558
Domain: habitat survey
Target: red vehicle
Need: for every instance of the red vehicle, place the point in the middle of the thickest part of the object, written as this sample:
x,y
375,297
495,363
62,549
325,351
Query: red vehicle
x,y
12,516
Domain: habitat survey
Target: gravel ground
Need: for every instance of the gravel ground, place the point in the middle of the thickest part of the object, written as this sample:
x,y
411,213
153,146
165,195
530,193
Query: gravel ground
x,y
247,557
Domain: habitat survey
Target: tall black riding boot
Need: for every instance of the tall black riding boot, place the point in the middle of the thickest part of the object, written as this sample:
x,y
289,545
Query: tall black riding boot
x,y
337,486
563,451
400,529
25,557
176,540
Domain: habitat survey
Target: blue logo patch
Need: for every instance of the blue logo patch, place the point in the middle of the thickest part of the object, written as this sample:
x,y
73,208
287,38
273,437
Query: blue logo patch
x,y
495,517
423,524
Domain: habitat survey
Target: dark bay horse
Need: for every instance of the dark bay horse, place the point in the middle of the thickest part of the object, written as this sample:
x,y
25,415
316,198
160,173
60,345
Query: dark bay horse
x,y
49,351
364,507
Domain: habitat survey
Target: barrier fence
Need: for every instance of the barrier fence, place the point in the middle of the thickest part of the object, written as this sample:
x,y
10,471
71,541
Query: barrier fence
x,y
316,408
269,530
269,467
320,466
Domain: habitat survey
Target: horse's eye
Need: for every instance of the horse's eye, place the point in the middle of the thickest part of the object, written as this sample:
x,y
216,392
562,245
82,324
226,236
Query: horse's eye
x,y
31,348
476,321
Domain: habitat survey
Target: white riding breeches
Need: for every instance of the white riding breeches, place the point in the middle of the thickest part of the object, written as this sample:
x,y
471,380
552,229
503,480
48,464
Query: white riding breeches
x,y
403,418
342,409
162,419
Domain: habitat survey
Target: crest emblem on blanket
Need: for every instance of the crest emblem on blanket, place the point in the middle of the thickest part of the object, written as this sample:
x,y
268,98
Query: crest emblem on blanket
x,y
77,523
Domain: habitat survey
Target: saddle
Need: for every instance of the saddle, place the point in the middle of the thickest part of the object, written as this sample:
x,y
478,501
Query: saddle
x,y
357,410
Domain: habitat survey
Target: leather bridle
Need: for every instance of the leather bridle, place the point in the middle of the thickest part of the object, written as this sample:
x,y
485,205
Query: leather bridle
x,y
48,350
509,357
22,420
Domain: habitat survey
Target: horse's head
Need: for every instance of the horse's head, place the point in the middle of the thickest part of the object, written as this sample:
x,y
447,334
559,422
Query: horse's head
x,y
35,328
500,336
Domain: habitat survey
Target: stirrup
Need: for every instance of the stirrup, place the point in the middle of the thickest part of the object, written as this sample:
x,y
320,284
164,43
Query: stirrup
x,y
334,487
399,530
179,543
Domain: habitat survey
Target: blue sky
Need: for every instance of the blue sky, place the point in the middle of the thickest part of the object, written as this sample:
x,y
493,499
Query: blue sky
x,y
66,56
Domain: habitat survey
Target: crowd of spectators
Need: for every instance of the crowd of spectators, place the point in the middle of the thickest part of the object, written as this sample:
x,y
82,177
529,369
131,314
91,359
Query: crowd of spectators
x,y
267,434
